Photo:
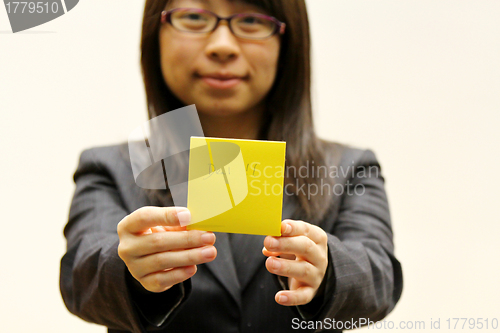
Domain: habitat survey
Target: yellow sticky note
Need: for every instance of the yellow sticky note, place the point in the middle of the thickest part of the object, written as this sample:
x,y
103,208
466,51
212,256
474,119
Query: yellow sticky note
x,y
236,186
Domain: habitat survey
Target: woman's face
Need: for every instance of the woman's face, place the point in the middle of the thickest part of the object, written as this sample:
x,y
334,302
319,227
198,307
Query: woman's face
x,y
197,67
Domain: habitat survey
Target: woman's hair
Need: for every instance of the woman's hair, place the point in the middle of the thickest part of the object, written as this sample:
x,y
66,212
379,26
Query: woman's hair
x,y
288,114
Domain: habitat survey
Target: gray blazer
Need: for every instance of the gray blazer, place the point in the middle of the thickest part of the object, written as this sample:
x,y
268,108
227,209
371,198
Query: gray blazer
x,y
235,292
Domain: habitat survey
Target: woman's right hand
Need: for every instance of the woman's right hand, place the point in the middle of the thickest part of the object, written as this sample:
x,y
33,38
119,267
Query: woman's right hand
x,y
158,252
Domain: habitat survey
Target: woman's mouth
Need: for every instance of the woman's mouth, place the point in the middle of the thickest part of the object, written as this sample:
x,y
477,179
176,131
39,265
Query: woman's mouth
x,y
221,80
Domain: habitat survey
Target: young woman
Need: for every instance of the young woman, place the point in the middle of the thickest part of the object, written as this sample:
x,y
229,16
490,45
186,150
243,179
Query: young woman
x,y
131,267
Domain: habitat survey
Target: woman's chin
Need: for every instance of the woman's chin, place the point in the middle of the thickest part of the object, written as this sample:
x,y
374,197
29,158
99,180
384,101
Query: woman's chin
x,y
220,109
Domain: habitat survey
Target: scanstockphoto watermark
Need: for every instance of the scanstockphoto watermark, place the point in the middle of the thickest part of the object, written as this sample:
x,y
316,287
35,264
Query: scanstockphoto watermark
x,y
432,324
259,187
330,323
161,157
260,179
310,170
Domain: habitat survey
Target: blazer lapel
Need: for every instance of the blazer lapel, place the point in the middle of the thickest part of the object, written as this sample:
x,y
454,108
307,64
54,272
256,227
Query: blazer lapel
x,y
247,255
223,268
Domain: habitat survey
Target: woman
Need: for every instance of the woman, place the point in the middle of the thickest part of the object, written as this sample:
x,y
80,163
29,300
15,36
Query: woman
x,y
131,267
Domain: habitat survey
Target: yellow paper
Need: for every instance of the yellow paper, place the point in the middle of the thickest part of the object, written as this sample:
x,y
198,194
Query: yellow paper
x,y
236,186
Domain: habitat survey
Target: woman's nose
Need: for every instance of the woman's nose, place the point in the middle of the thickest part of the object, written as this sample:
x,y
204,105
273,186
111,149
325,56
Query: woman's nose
x,y
222,45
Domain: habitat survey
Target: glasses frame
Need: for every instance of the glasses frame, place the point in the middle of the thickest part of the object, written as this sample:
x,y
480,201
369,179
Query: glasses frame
x,y
166,17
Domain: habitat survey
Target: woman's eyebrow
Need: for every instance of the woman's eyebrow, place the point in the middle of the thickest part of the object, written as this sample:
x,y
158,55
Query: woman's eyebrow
x,y
175,2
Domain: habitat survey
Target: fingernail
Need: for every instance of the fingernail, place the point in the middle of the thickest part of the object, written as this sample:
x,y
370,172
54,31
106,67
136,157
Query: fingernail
x,y
208,238
283,298
273,243
208,253
184,217
288,229
276,264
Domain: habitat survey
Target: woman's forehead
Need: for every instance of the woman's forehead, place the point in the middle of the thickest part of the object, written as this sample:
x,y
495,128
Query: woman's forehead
x,y
212,4
204,1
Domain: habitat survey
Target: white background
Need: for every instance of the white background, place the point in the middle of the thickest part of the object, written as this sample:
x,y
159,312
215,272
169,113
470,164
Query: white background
x,y
417,82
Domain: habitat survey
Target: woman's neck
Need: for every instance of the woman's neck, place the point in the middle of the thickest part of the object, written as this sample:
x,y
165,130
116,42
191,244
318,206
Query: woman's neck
x,y
245,125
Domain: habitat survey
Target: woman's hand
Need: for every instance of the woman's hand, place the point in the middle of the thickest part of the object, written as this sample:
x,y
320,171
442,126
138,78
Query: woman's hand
x,y
301,255
158,252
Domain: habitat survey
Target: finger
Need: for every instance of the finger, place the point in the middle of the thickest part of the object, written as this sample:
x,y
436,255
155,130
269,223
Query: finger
x,y
164,228
299,270
291,228
268,253
172,259
173,228
161,229
166,241
146,217
145,232
301,246
157,229
160,281
300,296
277,254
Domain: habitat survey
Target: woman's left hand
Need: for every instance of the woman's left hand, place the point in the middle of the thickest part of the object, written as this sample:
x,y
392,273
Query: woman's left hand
x,y
301,254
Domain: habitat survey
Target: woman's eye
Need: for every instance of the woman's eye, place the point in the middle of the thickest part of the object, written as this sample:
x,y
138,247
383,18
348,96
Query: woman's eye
x,y
251,20
253,25
192,21
192,17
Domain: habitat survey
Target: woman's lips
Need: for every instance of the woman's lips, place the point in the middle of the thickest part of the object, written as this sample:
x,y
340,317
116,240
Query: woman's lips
x,y
221,83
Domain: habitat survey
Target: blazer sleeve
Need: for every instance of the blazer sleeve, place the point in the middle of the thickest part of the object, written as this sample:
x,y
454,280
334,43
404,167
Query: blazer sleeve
x,y
95,283
364,279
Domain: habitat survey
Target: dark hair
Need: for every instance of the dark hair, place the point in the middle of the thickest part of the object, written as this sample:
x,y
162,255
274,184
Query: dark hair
x,y
288,115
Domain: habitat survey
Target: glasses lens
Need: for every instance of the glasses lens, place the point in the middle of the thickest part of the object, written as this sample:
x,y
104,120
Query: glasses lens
x,y
253,26
193,21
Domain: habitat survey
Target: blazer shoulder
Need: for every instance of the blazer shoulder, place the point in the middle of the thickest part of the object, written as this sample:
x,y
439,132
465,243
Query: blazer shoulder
x,y
104,153
103,158
344,153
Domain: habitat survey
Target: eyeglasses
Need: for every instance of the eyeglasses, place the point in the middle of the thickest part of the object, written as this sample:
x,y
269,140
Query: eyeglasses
x,y
245,25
